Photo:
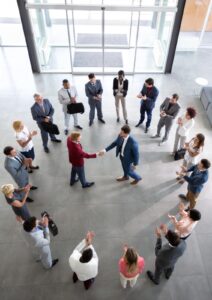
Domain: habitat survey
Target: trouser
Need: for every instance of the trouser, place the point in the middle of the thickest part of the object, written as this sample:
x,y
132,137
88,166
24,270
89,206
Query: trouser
x,y
128,170
124,280
95,104
67,119
81,174
148,111
163,122
158,271
179,138
44,136
46,257
87,283
192,198
123,103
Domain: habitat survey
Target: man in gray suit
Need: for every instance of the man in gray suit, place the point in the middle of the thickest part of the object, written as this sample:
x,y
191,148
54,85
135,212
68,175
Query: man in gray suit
x,y
93,90
167,255
16,165
37,236
42,111
168,112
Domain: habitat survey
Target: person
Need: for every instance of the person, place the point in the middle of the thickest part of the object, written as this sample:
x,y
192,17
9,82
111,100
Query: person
x,y
187,223
196,181
93,90
185,124
131,266
37,235
42,111
16,165
24,139
84,261
120,88
193,150
76,158
166,255
148,96
168,112
127,150
68,94
17,199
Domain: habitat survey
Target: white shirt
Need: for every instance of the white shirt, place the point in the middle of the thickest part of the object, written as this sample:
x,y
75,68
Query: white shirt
x,y
23,136
120,88
192,159
63,95
123,145
186,127
87,270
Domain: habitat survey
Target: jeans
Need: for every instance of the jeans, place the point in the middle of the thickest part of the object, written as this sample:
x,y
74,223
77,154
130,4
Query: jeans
x,y
81,174
128,170
148,111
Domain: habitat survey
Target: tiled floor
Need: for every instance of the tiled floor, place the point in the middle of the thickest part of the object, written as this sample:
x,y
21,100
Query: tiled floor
x,y
117,212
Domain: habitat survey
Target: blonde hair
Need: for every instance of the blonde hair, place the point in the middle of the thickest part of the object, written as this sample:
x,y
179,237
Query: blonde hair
x,y
17,125
7,189
74,135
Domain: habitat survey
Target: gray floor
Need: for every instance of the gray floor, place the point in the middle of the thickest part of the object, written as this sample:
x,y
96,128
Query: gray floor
x,y
117,212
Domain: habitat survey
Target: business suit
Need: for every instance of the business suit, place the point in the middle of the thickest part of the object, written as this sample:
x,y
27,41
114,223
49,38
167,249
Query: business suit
x,y
166,258
38,114
148,105
17,169
167,121
130,155
91,91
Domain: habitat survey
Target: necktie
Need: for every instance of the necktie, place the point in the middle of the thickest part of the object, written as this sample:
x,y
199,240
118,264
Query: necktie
x,y
19,159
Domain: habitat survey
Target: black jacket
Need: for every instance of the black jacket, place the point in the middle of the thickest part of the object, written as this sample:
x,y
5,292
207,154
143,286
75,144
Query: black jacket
x,y
115,86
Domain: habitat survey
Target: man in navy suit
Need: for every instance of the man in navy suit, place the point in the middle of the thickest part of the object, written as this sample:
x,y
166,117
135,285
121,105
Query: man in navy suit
x,y
127,150
42,111
148,96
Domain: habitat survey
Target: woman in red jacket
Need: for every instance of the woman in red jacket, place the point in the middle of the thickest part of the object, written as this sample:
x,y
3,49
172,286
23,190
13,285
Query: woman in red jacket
x,y
76,158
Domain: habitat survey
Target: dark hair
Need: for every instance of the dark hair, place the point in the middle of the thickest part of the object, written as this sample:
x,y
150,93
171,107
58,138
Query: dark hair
x,y
173,238
175,96
125,129
87,254
191,112
7,150
91,75
201,140
65,81
194,214
121,73
29,224
205,162
149,81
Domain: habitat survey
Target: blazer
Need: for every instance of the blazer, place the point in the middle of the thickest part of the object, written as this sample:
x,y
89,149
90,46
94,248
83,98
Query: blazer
x,y
92,90
151,94
76,154
171,112
38,114
17,170
167,256
115,86
131,153
196,179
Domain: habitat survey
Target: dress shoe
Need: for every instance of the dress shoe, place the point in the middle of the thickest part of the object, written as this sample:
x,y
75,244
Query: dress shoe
x,y
29,199
33,188
54,262
134,182
117,120
88,184
72,183
155,136
182,197
126,122
146,130
123,178
30,171
137,125
34,167
78,127
46,149
151,277
66,131
56,141
102,121
90,123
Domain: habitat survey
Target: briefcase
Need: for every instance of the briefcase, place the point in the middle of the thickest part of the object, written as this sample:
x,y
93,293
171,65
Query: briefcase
x,y
50,127
179,154
75,108
52,226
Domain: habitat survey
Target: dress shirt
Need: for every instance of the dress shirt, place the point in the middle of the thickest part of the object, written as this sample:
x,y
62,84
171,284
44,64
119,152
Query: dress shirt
x,y
185,226
63,95
84,271
123,145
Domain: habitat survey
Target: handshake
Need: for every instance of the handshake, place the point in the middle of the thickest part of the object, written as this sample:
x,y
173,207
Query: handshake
x,y
101,153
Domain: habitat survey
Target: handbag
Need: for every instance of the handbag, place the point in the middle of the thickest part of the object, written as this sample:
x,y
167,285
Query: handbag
x,y
50,127
75,108
179,154
52,226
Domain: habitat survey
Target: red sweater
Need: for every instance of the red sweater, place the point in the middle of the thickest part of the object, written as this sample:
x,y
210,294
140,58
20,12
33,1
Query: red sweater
x,y
76,154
